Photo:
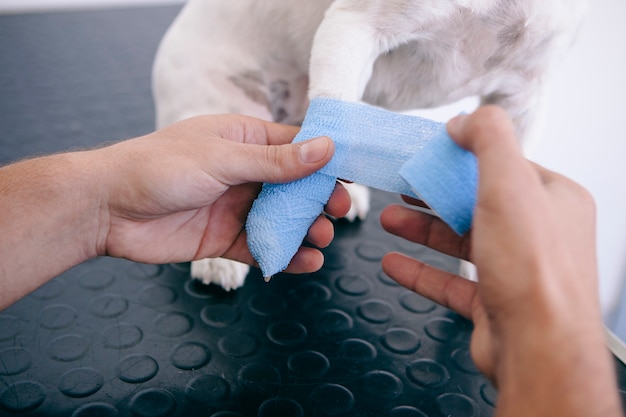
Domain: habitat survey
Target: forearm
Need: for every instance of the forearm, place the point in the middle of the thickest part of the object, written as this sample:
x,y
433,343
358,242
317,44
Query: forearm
x,y
49,221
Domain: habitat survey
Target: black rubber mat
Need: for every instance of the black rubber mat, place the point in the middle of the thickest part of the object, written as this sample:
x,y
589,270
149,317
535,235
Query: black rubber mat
x,y
116,338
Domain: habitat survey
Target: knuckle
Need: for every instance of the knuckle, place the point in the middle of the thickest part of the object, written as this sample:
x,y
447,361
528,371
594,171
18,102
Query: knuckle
x,y
488,119
275,160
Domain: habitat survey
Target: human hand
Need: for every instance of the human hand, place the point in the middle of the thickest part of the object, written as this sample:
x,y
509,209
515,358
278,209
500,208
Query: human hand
x,y
183,193
535,307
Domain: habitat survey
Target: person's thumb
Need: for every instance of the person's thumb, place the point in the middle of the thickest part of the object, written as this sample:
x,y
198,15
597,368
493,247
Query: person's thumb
x,y
279,163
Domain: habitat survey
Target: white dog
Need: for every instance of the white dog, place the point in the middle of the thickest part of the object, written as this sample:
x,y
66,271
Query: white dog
x,y
267,58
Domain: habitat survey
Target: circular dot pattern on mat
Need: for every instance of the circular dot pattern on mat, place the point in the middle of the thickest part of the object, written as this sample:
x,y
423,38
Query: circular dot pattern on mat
x,y
405,411
400,340
442,329
157,296
81,382
190,355
308,363
370,252
462,359
220,315
140,340
381,386
184,267
286,333
238,345
68,348
136,369
173,324
375,311
333,322
280,407
96,410
97,279
49,291
209,389
14,360
109,306
335,261
153,402
456,405
353,285
357,350
22,396
310,294
260,378
121,336
144,271
266,304
198,289
9,327
56,317
489,394
415,303
386,279
427,373
332,399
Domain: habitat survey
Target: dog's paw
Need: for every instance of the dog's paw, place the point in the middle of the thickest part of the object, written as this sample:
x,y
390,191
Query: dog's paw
x,y
360,196
228,274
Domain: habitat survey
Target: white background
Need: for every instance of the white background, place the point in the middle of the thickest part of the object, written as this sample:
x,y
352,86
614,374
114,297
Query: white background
x,y
584,137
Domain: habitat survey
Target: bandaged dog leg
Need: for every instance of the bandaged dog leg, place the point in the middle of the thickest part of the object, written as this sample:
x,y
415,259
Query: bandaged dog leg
x,y
374,147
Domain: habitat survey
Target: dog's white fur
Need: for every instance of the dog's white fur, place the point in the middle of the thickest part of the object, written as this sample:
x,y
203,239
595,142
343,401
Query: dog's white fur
x,y
266,58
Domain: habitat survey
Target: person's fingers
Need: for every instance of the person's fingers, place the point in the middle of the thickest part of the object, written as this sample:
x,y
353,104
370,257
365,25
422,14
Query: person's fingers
x,y
503,169
321,232
339,203
274,163
243,129
444,288
424,229
305,261
488,133
279,134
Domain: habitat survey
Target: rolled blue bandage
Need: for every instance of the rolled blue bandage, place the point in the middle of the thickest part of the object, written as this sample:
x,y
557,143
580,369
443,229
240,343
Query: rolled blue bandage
x,y
374,147
444,176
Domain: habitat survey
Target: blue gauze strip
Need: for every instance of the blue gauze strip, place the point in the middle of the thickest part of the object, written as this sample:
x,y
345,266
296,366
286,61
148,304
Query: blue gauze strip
x,y
374,147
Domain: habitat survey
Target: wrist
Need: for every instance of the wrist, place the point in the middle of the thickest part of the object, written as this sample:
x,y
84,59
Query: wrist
x,y
93,179
81,193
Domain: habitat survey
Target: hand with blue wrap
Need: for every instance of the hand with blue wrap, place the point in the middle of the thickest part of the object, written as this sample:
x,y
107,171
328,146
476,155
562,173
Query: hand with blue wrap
x,y
178,194
538,330
374,147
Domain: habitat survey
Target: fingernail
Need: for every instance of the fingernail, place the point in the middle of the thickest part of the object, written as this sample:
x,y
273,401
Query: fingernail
x,y
313,150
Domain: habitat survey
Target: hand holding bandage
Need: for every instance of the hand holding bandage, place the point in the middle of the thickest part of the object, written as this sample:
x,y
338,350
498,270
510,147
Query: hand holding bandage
x,y
374,147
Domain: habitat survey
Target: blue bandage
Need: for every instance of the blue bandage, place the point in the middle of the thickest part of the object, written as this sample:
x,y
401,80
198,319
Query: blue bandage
x,y
374,147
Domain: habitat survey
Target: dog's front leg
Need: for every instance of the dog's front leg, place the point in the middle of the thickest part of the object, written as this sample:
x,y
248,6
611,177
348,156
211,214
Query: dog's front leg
x,y
342,57
343,54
